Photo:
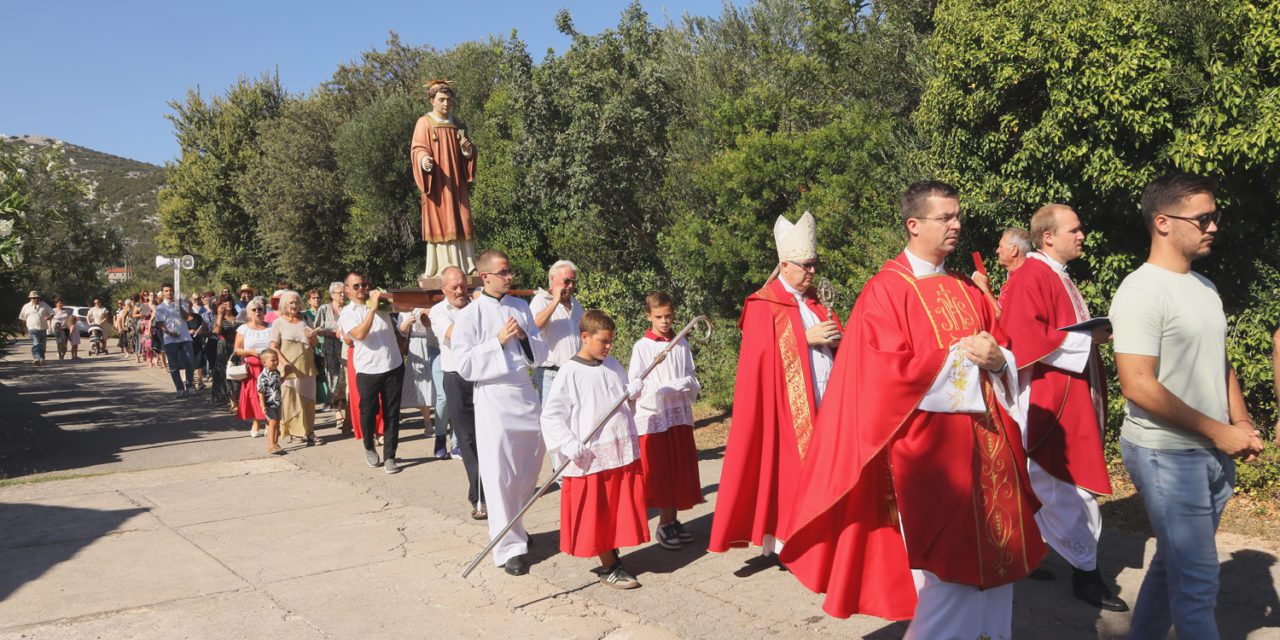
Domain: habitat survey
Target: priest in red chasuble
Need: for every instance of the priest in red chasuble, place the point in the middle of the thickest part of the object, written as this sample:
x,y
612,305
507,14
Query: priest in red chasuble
x,y
444,166
789,341
913,502
1064,397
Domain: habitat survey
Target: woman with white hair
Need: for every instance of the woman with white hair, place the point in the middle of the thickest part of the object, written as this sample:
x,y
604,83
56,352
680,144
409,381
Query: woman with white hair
x,y
252,338
331,347
296,341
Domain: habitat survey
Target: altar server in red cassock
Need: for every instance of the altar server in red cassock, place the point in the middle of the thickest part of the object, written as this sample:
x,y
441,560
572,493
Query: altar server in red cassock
x,y
602,499
914,501
1064,397
788,346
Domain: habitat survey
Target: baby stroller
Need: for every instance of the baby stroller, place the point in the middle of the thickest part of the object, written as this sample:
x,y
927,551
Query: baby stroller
x,y
97,340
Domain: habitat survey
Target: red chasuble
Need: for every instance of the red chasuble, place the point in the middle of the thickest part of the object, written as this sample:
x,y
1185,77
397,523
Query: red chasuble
x,y
773,413
446,195
886,487
1063,433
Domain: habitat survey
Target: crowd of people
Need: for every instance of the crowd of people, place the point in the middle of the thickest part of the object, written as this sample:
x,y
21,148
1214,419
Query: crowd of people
x,y
912,462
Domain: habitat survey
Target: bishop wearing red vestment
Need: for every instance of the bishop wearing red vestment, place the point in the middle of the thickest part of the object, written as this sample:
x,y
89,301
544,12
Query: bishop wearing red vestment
x,y
914,501
788,344
1064,397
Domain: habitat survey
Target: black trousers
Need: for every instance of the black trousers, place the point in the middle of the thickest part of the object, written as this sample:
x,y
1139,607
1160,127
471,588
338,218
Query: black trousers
x,y
459,394
380,390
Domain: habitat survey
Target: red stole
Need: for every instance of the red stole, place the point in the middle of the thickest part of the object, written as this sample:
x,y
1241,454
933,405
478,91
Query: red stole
x,y
1063,429
773,417
957,481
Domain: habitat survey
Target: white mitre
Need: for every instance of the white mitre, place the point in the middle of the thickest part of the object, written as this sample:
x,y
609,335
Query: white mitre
x,y
796,242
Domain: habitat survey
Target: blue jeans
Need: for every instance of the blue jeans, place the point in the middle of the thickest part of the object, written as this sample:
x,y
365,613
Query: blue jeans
x,y
180,353
437,381
1185,491
38,339
542,379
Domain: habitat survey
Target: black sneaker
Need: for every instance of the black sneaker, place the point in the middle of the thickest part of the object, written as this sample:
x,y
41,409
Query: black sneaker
x,y
668,538
684,536
618,578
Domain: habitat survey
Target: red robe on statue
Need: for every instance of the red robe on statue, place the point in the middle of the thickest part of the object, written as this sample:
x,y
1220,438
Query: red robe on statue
x,y
446,196
1063,432
880,469
773,413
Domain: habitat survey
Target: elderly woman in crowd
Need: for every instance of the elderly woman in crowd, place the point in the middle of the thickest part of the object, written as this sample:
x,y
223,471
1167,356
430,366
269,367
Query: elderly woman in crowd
x,y
296,341
64,329
252,338
331,348
419,389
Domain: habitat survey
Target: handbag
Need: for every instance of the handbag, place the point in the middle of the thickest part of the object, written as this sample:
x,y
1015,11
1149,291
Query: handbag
x,y
237,371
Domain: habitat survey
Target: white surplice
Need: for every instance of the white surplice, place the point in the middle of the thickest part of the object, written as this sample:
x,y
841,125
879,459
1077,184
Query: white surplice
x,y
579,398
508,436
670,389
949,610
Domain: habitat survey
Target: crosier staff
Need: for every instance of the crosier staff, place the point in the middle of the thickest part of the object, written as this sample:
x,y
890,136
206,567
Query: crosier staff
x,y
599,425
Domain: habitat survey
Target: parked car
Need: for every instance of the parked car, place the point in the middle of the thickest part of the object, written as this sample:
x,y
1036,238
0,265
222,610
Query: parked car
x,y
82,323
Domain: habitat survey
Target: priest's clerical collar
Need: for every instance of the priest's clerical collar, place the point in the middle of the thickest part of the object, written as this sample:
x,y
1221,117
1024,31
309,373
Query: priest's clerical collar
x,y
922,267
498,298
1044,257
587,361
790,289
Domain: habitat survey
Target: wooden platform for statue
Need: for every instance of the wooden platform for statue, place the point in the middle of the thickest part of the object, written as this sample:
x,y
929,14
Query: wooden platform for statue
x,y
433,292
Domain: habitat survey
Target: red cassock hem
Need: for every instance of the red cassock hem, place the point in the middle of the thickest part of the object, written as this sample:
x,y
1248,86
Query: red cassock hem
x,y
670,461
353,398
603,511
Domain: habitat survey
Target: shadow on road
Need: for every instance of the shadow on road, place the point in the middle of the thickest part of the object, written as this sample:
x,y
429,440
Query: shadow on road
x,y
74,414
39,537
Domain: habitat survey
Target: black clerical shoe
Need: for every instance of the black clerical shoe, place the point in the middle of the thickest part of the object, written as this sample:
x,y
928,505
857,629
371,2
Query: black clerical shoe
x,y
1089,587
516,566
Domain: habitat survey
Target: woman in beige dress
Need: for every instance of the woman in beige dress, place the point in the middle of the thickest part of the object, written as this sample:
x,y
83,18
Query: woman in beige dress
x,y
296,342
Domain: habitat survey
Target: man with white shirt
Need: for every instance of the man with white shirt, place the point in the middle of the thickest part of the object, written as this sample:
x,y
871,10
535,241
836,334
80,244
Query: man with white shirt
x,y
379,368
171,321
458,391
914,500
36,315
557,314
1064,397
495,341
788,339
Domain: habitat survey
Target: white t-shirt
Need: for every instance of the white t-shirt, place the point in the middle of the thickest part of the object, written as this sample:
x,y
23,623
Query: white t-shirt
x,y
97,315
1178,319
171,314
561,333
256,339
441,316
36,315
378,352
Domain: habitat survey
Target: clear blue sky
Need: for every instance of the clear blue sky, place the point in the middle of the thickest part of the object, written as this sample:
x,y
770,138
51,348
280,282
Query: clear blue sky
x,y
100,74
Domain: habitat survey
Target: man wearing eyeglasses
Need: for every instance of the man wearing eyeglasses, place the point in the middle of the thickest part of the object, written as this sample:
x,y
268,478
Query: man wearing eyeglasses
x,y
379,369
914,501
1185,416
495,340
1064,396
788,343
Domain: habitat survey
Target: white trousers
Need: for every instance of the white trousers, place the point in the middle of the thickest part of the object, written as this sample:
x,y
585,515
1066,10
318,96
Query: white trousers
x,y
1069,519
509,449
951,611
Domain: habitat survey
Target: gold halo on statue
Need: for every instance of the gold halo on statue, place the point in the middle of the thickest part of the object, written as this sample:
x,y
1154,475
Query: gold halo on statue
x,y
444,81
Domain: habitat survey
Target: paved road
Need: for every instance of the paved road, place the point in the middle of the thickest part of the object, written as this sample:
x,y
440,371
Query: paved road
x,y
183,527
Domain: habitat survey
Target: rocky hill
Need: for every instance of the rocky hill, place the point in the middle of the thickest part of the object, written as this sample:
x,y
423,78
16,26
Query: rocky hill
x,y
126,189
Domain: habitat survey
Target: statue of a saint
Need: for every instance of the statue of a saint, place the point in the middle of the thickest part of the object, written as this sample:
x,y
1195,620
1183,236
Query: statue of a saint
x,y
444,166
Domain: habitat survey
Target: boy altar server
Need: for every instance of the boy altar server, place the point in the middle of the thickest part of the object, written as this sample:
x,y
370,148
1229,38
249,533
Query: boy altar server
x,y
495,341
602,504
664,421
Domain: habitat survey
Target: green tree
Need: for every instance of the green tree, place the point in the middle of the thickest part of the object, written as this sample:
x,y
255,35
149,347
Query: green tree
x,y
201,210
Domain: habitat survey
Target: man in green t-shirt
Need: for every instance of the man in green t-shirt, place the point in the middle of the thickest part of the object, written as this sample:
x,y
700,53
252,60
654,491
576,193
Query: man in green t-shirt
x,y
1185,417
